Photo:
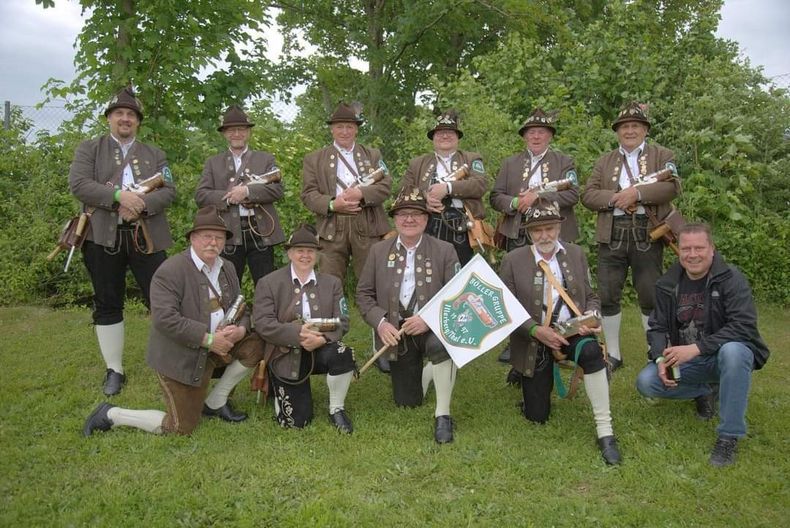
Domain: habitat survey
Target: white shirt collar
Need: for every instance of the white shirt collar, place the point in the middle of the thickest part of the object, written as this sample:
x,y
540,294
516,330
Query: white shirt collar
x,y
538,257
124,146
537,156
445,158
344,150
398,244
200,265
638,150
246,147
295,277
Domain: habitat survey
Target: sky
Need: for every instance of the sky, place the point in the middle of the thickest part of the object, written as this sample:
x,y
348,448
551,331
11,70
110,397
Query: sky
x,y
37,44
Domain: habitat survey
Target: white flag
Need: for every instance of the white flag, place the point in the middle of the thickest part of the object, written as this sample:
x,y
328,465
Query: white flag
x,y
473,312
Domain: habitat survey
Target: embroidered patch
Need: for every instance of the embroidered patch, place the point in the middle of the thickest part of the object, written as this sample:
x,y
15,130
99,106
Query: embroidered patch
x,y
457,267
572,176
167,175
477,165
343,306
384,167
671,166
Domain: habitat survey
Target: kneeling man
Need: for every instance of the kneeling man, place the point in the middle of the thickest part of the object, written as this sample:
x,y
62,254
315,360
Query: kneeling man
x,y
703,331
190,293
535,345
401,275
303,315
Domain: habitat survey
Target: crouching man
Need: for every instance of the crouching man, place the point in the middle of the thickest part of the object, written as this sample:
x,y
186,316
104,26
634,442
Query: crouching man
x,y
302,315
401,275
535,345
703,331
190,294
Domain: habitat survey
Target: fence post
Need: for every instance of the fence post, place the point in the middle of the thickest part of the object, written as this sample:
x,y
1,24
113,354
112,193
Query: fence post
x,y
7,116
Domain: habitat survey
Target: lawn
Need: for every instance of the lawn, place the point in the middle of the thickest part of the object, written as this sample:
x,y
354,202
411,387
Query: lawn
x,y
500,471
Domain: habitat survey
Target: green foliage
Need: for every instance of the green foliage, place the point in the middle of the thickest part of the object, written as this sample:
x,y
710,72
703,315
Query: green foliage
x,y
500,471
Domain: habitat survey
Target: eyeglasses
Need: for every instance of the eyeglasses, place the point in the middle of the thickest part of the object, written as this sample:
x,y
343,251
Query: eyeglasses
x,y
405,216
206,238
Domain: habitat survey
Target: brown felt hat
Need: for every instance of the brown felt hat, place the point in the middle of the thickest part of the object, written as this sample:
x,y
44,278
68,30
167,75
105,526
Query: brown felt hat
x,y
234,116
447,121
539,118
409,199
125,99
208,218
305,237
345,113
632,111
543,212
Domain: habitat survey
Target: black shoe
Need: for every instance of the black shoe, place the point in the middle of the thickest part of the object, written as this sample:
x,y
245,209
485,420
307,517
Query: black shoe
x,y
706,406
341,421
609,451
443,432
504,356
513,378
383,364
113,382
615,363
724,450
98,420
225,412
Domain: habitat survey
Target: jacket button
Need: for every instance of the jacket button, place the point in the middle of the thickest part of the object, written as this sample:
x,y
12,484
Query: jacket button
x,y
195,379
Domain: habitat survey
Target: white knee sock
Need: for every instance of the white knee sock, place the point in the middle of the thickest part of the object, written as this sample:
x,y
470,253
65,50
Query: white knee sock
x,y
645,318
233,374
338,388
597,387
111,345
443,380
611,331
427,376
150,420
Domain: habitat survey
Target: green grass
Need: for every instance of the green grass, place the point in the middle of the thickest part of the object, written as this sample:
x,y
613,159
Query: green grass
x,y
501,471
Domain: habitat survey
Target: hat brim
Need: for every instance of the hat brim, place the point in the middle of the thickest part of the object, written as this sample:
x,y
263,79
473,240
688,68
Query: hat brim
x,y
421,208
308,245
619,122
228,232
536,125
130,107
432,132
357,122
223,126
541,223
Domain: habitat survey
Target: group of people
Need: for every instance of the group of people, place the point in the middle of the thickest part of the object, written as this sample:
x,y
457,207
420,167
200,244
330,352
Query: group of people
x,y
699,317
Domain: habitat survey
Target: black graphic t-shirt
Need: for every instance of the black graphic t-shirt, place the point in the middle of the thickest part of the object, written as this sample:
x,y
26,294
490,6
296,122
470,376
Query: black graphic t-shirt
x,y
691,305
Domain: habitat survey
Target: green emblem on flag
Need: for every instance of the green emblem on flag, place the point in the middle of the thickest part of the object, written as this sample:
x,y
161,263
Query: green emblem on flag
x,y
478,310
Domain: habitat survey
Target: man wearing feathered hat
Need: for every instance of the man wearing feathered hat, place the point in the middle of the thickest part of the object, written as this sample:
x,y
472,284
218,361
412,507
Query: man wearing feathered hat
x,y
287,304
449,193
127,229
536,345
190,294
624,207
345,185
244,184
523,175
401,275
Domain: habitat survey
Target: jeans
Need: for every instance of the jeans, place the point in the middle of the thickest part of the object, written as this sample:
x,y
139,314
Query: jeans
x,y
731,367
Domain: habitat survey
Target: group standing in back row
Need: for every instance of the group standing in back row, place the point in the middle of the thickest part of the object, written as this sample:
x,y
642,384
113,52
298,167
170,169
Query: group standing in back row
x,y
301,314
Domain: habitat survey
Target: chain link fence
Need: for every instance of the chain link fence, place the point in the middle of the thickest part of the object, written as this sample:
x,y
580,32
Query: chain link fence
x,y
33,120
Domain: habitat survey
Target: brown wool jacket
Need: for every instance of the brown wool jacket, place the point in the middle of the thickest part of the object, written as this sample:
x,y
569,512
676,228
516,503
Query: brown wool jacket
x,y
525,279
319,182
511,180
378,289
181,316
214,183
96,162
470,189
278,304
604,182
